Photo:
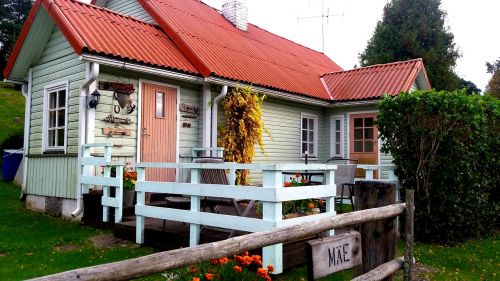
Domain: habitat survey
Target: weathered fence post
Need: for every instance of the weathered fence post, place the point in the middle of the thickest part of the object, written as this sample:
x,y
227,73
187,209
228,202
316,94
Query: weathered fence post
x,y
330,201
378,238
408,262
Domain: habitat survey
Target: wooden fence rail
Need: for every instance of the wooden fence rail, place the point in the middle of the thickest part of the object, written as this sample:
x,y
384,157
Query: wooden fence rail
x,y
161,262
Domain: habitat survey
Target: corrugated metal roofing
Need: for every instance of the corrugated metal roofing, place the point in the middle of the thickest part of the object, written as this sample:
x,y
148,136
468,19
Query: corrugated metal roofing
x,y
97,30
256,56
374,81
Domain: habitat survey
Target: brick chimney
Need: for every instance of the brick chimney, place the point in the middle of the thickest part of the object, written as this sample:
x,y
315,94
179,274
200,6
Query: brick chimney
x,y
236,11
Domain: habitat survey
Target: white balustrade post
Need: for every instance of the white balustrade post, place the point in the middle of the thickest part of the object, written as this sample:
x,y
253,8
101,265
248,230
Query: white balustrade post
x,y
119,194
105,194
141,201
107,154
330,201
194,229
273,211
84,170
232,176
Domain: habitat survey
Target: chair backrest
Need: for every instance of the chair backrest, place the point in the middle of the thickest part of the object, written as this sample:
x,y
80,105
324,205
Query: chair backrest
x,y
344,174
212,176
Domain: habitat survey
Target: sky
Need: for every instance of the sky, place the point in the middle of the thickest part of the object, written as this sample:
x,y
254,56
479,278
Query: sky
x,y
474,24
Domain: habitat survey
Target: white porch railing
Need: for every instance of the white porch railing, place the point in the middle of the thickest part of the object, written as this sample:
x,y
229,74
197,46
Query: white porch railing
x,y
106,181
272,195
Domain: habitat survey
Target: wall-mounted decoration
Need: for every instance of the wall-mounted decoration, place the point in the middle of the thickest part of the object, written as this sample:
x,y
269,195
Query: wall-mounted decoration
x,y
116,132
189,116
114,86
186,125
117,120
189,108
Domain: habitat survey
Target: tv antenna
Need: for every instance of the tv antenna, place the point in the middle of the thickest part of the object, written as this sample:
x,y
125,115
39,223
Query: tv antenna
x,y
323,16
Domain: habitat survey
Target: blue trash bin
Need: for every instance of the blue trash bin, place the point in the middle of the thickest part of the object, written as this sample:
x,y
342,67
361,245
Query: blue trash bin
x,y
11,161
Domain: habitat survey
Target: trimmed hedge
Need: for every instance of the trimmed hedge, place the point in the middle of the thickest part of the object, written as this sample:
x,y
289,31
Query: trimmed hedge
x,y
445,145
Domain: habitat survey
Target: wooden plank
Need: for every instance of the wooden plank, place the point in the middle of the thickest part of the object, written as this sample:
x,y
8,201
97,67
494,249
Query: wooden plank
x,y
100,180
382,271
332,254
202,218
304,192
214,190
95,161
164,261
228,166
379,238
408,260
299,220
110,202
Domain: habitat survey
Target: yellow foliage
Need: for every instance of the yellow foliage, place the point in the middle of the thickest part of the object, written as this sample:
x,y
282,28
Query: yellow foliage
x,y
242,129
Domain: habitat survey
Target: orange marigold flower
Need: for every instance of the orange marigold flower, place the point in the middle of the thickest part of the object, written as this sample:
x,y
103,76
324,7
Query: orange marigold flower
x,y
268,278
321,202
223,260
193,270
287,184
237,268
297,176
262,272
214,261
256,257
209,276
311,205
270,268
245,253
196,279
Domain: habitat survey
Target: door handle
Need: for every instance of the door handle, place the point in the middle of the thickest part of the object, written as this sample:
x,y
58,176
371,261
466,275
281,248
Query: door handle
x,y
145,132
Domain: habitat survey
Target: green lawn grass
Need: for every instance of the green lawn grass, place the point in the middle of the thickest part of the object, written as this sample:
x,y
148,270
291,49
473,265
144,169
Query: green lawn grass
x,y
11,106
28,242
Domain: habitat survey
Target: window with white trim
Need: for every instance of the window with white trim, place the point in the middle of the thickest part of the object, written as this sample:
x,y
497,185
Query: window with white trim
x,y
55,117
337,136
309,135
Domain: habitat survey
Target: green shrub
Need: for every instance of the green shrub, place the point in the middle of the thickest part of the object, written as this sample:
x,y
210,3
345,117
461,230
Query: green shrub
x,y
445,145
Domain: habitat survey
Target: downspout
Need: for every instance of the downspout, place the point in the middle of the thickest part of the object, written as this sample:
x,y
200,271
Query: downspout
x,y
91,75
26,90
215,104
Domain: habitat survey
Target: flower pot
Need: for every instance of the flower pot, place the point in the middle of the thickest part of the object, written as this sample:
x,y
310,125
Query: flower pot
x,y
128,198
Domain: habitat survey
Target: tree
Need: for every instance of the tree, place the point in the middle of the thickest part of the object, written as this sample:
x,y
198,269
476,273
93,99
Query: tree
x,y
13,13
470,88
413,29
493,87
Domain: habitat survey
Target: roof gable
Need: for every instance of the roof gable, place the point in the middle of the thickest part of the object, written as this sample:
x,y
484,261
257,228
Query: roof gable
x,y
257,56
374,81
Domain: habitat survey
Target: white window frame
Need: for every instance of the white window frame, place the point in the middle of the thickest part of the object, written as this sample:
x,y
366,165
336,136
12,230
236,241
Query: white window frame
x,y
315,143
63,85
333,129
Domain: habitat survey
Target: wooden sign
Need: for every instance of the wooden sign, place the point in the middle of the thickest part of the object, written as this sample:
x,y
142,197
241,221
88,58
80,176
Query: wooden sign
x,y
116,131
328,255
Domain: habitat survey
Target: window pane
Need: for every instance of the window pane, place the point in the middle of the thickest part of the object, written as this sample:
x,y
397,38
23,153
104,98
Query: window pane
x,y
61,118
368,122
358,134
358,146
51,138
159,105
311,149
304,147
304,123
368,146
52,119
369,133
62,98
337,125
311,124
358,122
60,137
52,100
337,136
337,148
311,136
304,135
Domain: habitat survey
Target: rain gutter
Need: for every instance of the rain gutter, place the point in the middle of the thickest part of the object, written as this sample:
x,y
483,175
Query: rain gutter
x,y
215,105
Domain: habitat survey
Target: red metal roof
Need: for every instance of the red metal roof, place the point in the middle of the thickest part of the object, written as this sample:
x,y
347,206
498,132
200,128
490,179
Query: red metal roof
x,y
256,56
374,81
101,31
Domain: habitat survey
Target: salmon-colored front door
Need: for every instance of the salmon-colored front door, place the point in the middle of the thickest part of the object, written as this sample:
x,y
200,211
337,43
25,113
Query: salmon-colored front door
x,y
363,140
159,130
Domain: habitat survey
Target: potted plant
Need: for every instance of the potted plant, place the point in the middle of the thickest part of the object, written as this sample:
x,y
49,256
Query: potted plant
x,y
129,178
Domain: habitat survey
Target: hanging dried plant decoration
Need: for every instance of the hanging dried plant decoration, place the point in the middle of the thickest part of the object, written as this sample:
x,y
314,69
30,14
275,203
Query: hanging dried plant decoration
x,y
242,128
